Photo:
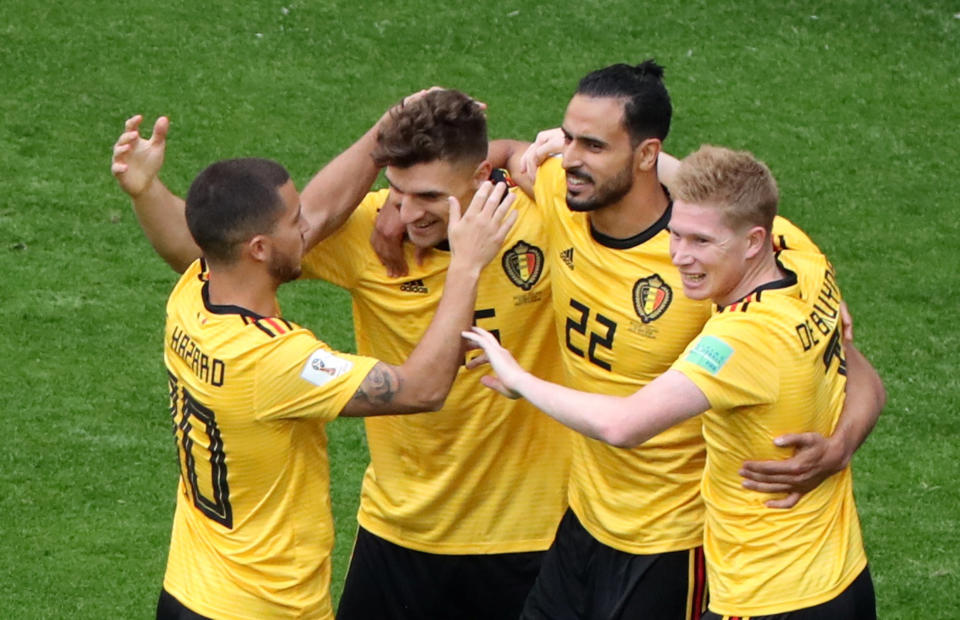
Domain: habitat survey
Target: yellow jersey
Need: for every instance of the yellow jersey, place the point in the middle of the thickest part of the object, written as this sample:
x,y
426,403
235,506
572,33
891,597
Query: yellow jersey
x,y
484,474
622,320
249,396
773,364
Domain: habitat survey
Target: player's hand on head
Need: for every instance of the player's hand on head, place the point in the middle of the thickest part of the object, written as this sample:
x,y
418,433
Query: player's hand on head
x,y
815,459
387,240
507,369
477,233
137,161
548,142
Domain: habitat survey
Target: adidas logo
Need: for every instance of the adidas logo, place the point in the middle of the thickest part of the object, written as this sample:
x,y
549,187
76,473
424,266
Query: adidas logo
x,y
414,286
567,257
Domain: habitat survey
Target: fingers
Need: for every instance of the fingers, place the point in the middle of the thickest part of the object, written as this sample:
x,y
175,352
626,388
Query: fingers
x,y
767,487
455,212
477,361
788,502
506,225
421,254
847,319
160,129
495,384
133,123
797,440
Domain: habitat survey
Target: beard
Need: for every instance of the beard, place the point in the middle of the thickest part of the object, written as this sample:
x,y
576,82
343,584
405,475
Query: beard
x,y
604,194
283,268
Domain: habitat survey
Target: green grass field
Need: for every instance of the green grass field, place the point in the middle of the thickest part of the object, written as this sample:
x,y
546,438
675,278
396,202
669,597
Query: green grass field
x,y
852,103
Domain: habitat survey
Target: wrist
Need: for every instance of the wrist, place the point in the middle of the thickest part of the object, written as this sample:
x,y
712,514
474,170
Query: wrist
x,y
840,450
463,269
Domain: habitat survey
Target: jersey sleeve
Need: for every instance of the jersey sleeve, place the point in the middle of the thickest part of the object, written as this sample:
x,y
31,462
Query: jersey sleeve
x,y
301,377
788,236
342,257
732,363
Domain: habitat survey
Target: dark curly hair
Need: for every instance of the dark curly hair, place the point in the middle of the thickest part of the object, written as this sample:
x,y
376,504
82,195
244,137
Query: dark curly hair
x,y
441,125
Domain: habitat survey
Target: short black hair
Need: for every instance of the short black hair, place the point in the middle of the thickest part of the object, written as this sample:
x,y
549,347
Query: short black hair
x,y
231,201
647,109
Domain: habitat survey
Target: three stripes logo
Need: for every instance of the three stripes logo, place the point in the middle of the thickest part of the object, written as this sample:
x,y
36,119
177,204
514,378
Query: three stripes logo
x,y
414,286
567,257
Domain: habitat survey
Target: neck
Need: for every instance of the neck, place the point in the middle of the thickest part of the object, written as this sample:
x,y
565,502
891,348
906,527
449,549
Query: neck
x,y
239,285
762,269
637,211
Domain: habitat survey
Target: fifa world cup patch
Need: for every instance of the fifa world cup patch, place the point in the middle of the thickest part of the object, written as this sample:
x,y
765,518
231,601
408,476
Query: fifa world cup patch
x,y
651,297
523,264
324,366
710,353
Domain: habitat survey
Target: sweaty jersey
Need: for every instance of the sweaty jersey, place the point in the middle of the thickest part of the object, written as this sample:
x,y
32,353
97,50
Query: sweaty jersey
x,y
249,396
485,474
773,364
622,319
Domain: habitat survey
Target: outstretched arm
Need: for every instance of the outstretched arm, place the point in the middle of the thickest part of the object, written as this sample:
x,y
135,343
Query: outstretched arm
x,y
624,422
817,457
422,382
136,164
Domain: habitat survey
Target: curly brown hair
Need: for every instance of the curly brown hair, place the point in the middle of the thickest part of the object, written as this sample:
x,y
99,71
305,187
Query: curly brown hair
x,y
441,125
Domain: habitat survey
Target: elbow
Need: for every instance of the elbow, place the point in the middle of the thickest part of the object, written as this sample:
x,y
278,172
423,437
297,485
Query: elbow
x,y
881,393
433,399
619,435
434,404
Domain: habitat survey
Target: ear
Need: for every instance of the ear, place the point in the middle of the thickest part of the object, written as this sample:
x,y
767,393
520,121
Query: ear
x,y
646,153
258,248
757,240
482,173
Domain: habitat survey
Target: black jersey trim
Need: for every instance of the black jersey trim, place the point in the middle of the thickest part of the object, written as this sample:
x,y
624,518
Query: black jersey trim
x,y
639,238
226,309
785,282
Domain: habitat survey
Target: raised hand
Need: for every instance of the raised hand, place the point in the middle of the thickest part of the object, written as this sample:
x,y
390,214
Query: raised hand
x,y
477,234
507,369
136,161
548,142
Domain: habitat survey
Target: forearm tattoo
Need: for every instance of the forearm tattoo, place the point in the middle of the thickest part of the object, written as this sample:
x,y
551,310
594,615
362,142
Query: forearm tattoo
x,y
380,385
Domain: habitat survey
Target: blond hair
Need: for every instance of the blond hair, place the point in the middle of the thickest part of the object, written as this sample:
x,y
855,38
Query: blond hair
x,y
734,181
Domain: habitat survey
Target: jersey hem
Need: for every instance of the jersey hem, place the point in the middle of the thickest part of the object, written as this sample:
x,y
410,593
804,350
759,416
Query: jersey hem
x,y
794,605
666,545
519,546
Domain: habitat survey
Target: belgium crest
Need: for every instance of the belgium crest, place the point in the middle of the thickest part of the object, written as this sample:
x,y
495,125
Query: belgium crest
x,y
651,298
523,264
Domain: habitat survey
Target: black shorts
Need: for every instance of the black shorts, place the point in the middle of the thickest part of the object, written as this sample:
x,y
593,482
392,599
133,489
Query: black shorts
x,y
386,580
169,608
581,578
857,602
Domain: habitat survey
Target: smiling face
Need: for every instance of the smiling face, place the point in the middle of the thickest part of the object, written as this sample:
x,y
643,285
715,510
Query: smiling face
x,y
598,156
710,255
422,191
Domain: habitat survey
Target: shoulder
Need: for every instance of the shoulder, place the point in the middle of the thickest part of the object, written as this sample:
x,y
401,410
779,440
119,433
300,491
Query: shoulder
x,y
788,236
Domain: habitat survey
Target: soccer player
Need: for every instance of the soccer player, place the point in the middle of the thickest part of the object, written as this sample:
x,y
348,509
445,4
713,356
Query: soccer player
x,y
630,545
769,360
457,507
251,392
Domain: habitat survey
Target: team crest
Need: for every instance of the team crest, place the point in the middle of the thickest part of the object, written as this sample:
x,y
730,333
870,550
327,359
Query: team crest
x,y
651,298
523,264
